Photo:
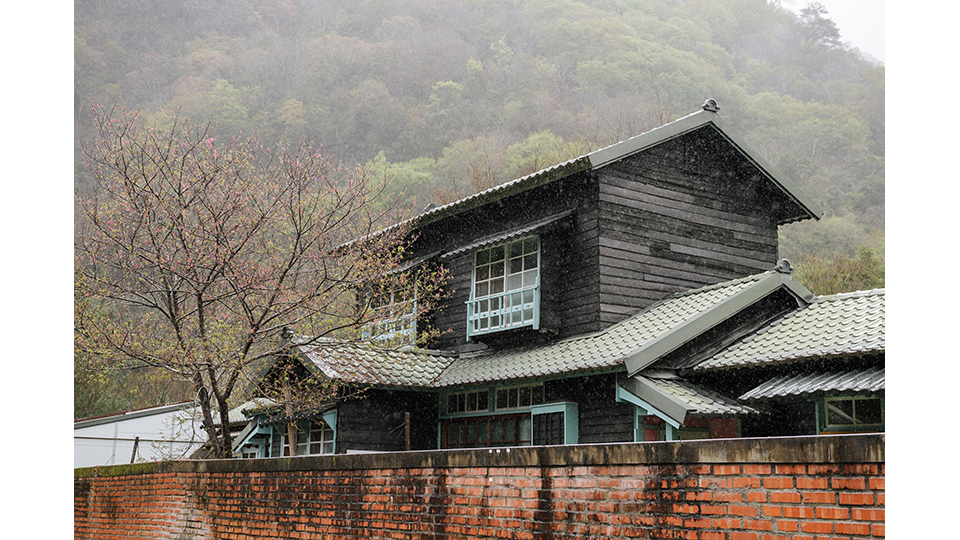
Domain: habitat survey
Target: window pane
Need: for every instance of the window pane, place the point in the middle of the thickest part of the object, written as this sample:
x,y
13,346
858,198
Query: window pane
x,y
840,412
524,397
516,266
471,401
483,257
869,411
530,261
496,270
483,289
525,430
530,245
496,253
508,432
514,282
483,273
516,249
482,399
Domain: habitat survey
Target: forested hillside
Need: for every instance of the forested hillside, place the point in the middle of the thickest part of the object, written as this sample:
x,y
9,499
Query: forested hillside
x,y
454,96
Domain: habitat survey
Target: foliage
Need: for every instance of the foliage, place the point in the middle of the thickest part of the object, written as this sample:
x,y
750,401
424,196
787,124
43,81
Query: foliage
x,y
202,253
836,274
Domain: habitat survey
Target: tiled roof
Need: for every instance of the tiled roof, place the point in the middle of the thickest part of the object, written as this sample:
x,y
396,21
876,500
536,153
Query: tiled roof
x,y
604,156
865,381
602,350
699,400
839,325
368,365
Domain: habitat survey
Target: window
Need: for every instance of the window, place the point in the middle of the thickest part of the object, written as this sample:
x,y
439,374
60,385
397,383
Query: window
x,y
474,423
394,315
853,414
315,438
467,402
506,287
519,397
485,431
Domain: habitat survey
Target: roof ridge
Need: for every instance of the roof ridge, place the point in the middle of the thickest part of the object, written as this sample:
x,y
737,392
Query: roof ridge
x,y
722,284
852,294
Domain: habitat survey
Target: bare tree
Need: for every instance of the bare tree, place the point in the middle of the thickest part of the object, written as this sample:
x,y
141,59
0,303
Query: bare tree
x,y
202,252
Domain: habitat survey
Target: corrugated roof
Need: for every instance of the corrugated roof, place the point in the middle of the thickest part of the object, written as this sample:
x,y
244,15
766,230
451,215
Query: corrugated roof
x,y
602,350
848,324
868,381
367,365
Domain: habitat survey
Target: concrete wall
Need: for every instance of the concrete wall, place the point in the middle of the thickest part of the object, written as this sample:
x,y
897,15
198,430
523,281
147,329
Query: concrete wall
x,y
731,489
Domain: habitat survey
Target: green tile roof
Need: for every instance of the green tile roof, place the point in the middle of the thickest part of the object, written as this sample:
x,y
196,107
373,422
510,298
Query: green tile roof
x,y
368,365
840,325
599,351
700,400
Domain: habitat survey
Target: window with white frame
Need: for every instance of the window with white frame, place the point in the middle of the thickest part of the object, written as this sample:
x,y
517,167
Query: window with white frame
x,y
506,287
394,315
312,438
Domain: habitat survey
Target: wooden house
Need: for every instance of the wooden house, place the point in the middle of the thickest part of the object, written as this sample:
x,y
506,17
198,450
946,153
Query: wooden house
x,y
595,301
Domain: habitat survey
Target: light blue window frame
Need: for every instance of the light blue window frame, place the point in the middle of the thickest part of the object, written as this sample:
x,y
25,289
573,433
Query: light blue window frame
x,y
505,297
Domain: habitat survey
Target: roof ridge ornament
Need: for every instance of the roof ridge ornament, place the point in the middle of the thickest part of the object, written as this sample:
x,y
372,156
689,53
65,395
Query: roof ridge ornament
x,y
711,105
784,267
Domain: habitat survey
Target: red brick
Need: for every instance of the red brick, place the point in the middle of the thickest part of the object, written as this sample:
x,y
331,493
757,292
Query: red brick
x,y
863,514
856,498
727,523
877,483
879,530
743,536
795,470
819,497
784,497
816,527
778,482
788,525
801,512
813,483
773,511
853,528
757,469
743,510
849,483
726,469
758,524
756,496
833,513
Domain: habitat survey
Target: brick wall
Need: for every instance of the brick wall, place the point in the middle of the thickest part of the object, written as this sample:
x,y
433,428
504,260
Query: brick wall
x,y
733,489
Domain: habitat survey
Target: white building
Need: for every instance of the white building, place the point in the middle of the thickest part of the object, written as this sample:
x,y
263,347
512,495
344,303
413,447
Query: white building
x,y
152,434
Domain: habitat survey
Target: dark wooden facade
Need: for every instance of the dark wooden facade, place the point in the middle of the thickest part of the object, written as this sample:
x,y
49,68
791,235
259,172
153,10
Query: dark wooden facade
x,y
680,215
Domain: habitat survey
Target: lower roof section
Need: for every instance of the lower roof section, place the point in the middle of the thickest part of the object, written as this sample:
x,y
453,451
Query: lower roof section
x,y
866,381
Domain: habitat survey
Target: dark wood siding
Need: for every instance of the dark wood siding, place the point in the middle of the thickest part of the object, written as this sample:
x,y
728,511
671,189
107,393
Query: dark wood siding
x,y
569,284
375,422
672,219
601,418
